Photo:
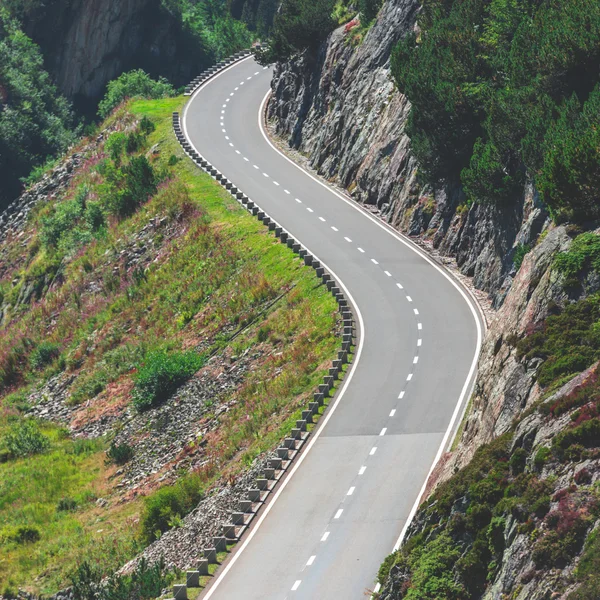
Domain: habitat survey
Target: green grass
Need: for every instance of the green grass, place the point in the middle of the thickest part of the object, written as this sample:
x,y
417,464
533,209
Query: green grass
x,y
221,284
30,491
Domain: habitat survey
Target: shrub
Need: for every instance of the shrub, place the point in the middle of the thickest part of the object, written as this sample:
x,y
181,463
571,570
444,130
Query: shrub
x,y
368,9
299,25
134,84
583,254
66,505
119,454
168,505
140,184
161,374
587,435
23,534
43,355
518,461
582,477
147,126
25,439
520,252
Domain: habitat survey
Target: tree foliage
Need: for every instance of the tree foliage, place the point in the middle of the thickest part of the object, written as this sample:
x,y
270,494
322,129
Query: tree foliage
x,y
35,120
299,25
135,84
501,88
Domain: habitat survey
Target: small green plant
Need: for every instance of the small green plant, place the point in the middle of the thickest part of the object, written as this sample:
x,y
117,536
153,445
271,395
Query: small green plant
x,y
147,126
43,355
542,456
66,505
166,507
161,374
119,454
25,439
23,534
520,252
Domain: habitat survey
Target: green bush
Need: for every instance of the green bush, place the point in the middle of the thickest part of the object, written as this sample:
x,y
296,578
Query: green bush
x,y
25,439
66,505
139,184
147,581
134,84
568,342
161,374
24,534
169,505
119,454
299,25
542,456
584,254
587,435
43,354
368,9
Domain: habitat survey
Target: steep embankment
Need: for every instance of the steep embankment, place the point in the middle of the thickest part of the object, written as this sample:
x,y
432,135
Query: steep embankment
x,y
155,342
520,494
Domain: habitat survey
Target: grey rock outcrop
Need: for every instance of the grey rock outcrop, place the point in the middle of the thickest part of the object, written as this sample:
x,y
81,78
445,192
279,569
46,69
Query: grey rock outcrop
x,y
342,111
86,43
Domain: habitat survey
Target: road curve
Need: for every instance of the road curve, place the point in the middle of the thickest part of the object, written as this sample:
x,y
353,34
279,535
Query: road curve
x,y
343,506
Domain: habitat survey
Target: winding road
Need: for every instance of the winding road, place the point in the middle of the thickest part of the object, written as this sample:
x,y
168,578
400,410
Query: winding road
x,y
347,500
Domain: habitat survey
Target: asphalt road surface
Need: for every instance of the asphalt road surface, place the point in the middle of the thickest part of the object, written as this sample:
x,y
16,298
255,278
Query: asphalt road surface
x,y
342,508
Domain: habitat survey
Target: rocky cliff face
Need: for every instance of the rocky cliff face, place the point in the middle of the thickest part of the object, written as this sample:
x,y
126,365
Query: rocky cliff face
x,y
342,110
88,42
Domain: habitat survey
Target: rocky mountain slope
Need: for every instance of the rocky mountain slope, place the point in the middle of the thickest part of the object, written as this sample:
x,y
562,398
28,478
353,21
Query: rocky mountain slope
x,y
344,113
526,424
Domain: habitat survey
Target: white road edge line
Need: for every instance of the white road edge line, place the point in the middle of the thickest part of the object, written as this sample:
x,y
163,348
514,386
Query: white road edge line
x,y
331,410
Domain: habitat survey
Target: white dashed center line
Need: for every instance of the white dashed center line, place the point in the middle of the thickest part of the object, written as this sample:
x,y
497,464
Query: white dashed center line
x,y
419,325
400,286
256,166
276,183
286,191
419,342
351,491
298,200
265,174
409,377
415,360
373,450
334,228
416,311
309,209
311,560
338,514
246,159
322,219
401,395
374,261
296,585
325,536
392,412
409,298
362,470
388,273
382,432
348,239
361,250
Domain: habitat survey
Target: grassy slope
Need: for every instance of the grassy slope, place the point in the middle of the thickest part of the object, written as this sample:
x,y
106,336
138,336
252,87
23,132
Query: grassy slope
x,y
217,274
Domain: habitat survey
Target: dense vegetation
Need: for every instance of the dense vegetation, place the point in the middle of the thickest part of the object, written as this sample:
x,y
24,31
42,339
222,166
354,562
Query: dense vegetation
x,y
37,123
35,120
127,282
502,89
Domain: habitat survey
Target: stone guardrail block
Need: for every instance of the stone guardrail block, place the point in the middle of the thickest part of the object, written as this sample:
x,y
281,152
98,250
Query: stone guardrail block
x,y
193,579
220,543
180,591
